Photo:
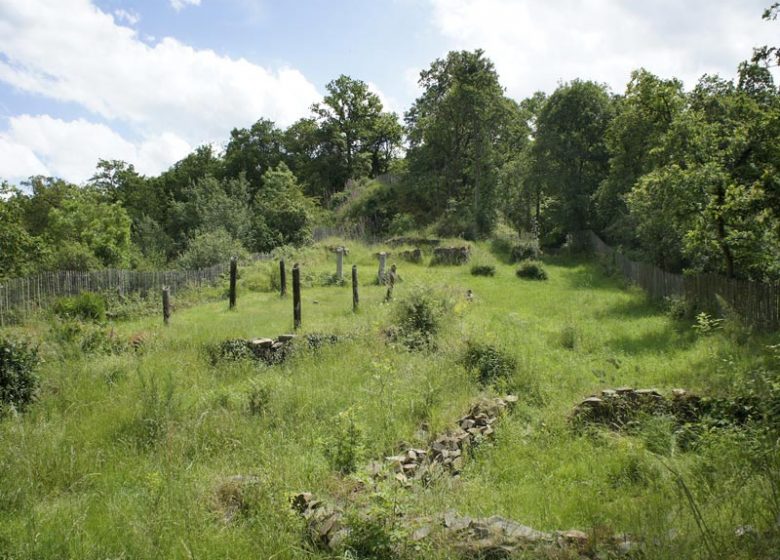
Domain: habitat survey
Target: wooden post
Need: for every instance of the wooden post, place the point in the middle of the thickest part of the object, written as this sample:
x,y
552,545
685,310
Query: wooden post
x,y
233,276
382,263
355,297
282,279
340,264
296,296
166,301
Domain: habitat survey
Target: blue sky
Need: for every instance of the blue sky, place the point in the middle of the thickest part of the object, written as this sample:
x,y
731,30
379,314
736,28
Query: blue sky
x,y
149,80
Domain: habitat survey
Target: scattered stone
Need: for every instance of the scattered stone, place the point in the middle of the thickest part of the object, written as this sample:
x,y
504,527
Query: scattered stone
x,y
414,256
413,241
618,407
451,255
231,496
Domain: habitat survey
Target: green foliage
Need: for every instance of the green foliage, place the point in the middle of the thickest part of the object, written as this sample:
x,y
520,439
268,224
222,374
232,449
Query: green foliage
x,y
18,380
418,317
491,364
707,324
87,306
531,270
525,249
571,151
483,270
345,446
209,248
460,130
284,213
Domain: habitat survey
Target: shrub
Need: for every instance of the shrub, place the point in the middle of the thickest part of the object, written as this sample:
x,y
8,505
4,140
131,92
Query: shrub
x,y
230,350
483,270
87,306
208,248
531,270
490,363
344,448
418,318
525,250
18,382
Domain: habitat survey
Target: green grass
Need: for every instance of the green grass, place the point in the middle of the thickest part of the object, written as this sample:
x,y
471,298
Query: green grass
x,y
123,454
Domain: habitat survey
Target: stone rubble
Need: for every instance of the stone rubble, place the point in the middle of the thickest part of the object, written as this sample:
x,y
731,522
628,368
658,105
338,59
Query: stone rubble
x,y
489,537
619,407
451,255
448,449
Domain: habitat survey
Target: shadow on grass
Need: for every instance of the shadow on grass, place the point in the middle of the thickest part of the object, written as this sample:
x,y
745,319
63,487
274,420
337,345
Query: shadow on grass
x,y
637,307
670,338
581,272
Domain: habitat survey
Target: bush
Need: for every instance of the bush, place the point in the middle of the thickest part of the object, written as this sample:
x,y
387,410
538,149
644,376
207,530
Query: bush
x,y
344,448
87,306
489,362
531,270
483,270
419,317
18,382
209,248
525,250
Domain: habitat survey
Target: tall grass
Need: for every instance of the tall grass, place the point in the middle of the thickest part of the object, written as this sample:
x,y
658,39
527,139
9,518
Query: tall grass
x,y
124,453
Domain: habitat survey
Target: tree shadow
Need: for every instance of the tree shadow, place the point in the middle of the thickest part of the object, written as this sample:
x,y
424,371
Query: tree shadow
x,y
651,342
636,308
583,273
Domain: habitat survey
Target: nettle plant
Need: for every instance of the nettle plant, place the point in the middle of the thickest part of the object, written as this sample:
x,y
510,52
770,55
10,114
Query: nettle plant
x,y
18,382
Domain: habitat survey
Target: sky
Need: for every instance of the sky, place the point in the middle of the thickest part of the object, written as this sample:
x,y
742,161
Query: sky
x,y
147,81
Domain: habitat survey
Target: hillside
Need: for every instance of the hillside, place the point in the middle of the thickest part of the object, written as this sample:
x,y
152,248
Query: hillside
x,y
166,450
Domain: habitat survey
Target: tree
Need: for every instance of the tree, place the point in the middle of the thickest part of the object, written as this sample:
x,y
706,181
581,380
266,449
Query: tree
x,y
283,214
642,118
454,133
572,153
251,152
20,253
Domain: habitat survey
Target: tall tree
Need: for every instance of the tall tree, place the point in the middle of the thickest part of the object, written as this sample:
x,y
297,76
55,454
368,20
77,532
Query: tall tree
x,y
572,153
454,131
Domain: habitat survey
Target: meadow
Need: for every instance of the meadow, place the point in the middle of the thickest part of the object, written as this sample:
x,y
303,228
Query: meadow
x,y
135,452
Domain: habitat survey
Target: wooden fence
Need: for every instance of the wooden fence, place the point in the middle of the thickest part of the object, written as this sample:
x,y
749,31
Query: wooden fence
x,y
756,303
21,296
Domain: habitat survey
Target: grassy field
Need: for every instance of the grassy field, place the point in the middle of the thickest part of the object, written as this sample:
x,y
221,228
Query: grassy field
x,y
129,454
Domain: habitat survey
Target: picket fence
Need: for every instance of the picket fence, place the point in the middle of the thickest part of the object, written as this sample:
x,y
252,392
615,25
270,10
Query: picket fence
x,y
757,303
21,296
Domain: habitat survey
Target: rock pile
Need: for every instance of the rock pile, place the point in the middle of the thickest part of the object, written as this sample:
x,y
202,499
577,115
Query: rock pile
x,y
451,255
617,408
413,256
414,241
447,450
268,350
490,537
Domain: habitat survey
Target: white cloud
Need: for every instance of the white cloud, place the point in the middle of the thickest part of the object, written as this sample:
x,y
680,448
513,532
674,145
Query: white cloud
x,y
389,104
536,44
128,16
179,4
71,149
71,51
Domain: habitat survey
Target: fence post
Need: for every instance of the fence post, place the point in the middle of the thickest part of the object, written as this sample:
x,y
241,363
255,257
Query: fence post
x,y
340,264
355,297
296,296
166,302
382,263
233,276
282,279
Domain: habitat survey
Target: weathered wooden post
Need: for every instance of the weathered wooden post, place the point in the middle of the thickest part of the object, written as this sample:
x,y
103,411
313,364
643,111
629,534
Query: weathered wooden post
x,y
166,301
296,296
355,297
340,264
390,283
282,279
382,263
233,276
